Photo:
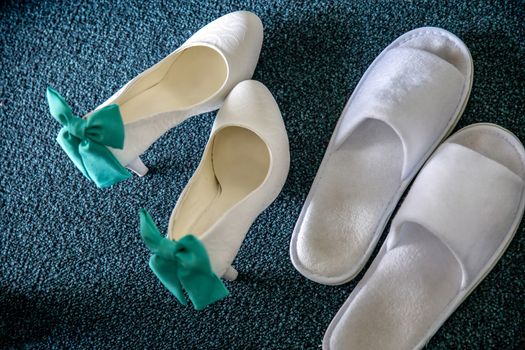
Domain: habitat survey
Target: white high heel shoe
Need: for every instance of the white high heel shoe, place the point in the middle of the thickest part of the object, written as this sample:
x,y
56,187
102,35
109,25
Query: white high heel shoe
x,y
243,169
194,79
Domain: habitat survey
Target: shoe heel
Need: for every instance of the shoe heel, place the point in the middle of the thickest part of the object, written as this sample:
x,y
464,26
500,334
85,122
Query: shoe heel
x,y
230,274
138,167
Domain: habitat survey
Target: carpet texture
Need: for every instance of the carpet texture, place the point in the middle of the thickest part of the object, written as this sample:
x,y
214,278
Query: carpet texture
x,y
73,269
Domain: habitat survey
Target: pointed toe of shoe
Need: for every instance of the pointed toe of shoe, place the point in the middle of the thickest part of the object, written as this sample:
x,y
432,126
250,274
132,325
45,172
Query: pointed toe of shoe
x,y
251,97
238,35
240,30
248,25
244,41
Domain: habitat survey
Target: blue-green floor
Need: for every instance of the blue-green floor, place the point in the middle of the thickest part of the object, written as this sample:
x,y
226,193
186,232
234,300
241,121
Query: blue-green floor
x,y
73,270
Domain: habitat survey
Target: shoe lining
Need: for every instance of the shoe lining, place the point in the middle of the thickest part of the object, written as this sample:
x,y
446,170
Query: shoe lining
x,y
235,165
186,79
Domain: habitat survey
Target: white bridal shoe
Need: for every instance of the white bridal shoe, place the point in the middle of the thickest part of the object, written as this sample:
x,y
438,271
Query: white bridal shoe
x,y
194,79
456,222
408,100
243,169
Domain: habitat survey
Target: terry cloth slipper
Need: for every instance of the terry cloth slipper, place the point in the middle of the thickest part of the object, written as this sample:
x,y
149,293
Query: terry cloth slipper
x,y
407,102
454,225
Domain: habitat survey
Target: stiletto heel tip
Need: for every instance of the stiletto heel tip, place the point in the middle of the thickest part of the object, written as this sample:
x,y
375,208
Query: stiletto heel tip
x,y
230,274
138,167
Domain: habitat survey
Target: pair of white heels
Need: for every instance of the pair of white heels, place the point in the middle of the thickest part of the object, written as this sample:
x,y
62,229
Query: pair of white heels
x,y
460,214
243,168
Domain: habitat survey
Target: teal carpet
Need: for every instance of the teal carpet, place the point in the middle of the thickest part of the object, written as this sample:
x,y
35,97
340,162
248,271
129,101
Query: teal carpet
x,y
73,270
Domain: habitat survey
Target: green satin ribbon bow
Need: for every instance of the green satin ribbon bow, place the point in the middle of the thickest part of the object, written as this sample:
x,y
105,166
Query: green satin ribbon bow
x,y
182,264
85,140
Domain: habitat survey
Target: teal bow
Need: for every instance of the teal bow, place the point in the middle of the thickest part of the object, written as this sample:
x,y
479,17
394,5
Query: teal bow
x,y
183,264
85,140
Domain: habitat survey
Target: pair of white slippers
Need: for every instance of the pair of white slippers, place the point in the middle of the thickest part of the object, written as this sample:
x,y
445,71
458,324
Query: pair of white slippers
x,y
243,167
456,221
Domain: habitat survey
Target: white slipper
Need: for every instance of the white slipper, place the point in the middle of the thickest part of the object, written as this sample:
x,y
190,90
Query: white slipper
x,y
194,79
243,169
408,100
455,223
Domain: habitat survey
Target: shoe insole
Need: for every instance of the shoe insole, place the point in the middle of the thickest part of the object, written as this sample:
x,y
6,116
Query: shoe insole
x,y
355,187
188,78
236,164
406,292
